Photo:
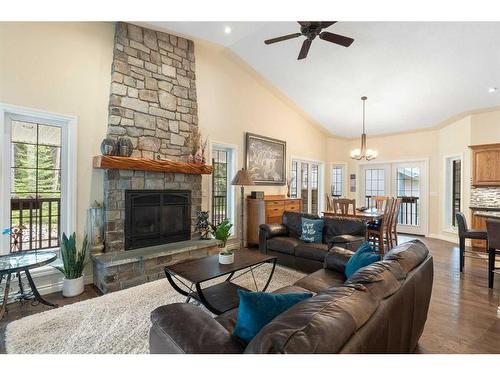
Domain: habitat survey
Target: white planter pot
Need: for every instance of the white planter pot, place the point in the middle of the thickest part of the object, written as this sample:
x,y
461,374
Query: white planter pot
x,y
72,287
226,258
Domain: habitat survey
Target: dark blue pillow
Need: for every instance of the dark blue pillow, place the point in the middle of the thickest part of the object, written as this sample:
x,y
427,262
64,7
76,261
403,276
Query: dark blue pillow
x,y
256,309
312,230
363,257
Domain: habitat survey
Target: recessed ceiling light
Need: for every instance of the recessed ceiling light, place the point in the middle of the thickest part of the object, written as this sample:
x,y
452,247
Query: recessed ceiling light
x,y
227,30
492,90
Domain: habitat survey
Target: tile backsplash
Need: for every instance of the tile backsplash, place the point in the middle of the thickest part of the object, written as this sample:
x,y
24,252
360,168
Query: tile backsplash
x,y
485,197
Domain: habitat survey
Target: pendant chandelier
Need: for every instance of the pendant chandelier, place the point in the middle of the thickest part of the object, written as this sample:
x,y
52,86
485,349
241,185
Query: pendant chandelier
x,y
363,152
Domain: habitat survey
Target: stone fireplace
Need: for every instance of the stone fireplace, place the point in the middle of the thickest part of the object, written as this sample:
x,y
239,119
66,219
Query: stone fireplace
x,y
153,103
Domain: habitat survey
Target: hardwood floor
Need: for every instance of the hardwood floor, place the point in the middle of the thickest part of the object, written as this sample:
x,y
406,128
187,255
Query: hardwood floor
x,y
462,316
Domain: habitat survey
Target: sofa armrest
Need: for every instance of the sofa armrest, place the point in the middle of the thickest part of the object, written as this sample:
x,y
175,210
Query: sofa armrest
x,y
170,334
347,241
268,231
337,258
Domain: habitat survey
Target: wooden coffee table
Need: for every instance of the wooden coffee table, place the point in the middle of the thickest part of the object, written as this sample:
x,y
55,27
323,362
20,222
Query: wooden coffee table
x,y
223,296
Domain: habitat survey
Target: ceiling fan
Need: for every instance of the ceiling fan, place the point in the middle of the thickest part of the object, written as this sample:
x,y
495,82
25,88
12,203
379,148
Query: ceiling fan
x,y
311,30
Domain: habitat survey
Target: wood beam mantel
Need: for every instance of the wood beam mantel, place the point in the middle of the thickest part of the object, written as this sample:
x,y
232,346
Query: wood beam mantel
x,y
141,164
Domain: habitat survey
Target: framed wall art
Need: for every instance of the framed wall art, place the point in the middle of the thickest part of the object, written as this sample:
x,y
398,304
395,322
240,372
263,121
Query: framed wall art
x,y
265,159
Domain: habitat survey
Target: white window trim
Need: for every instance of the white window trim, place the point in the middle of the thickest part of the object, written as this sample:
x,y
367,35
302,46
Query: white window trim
x,y
447,188
321,179
345,184
68,124
232,204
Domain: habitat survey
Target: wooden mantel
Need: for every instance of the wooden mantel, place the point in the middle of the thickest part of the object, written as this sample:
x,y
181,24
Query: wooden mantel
x,y
141,164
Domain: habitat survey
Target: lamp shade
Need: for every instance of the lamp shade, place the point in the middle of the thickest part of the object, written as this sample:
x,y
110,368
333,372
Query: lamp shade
x,y
242,178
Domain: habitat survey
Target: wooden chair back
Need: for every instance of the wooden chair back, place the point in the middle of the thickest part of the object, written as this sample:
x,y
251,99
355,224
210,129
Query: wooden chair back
x,y
329,203
343,206
380,202
394,215
388,207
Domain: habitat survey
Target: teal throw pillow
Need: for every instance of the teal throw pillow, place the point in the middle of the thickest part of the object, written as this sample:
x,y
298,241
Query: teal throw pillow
x,y
312,230
256,309
363,257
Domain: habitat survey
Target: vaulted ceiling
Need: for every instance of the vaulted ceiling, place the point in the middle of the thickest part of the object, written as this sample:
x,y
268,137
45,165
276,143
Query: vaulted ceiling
x,y
415,74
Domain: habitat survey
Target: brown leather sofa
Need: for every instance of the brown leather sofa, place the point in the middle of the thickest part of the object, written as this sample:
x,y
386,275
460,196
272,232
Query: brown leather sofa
x,y
283,240
382,308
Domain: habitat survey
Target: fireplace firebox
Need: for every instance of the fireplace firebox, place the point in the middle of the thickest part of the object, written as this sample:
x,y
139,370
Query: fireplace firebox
x,y
155,217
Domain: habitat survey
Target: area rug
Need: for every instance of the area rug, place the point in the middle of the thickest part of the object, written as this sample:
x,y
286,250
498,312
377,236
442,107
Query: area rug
x,y
115,323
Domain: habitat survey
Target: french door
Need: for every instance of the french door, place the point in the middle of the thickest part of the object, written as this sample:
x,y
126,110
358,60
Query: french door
x,y
306,183
405,180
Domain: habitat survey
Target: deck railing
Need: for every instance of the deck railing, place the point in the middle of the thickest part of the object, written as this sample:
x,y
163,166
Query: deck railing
x,y
409,212
37,222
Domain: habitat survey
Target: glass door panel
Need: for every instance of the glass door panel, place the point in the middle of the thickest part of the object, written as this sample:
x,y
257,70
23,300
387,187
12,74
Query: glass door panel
x,y
314,188
408,183
304,186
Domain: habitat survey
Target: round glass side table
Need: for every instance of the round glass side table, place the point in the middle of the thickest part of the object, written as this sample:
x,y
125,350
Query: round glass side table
x,y
23,261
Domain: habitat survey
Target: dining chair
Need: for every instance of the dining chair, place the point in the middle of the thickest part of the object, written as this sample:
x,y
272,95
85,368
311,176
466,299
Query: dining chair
x,y
343,205
329,202
463,233
380,201
378,233
393,225
493,232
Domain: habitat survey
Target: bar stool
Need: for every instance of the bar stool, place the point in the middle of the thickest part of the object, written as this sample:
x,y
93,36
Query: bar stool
x,y
463,233
493,230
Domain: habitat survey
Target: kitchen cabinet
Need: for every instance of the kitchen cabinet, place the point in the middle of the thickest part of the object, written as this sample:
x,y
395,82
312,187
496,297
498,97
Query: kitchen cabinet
x,y
486,165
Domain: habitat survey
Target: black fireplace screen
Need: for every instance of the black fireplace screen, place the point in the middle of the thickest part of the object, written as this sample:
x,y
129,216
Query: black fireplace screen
x,y
155,217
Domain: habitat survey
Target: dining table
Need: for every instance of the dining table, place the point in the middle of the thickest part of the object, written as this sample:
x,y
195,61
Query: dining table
x,y
368,215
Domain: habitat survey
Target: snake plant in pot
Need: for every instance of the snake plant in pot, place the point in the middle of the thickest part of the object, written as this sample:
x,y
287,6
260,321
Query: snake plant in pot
x,y
222,232
73,265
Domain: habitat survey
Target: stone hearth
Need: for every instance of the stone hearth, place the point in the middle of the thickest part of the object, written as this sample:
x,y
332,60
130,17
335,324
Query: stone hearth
x,y
121,270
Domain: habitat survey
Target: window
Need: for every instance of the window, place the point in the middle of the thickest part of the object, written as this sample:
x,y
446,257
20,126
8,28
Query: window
x,y
35,192
222,191
36,167
306,183
453,186
293,182
337,181
374,183
456,190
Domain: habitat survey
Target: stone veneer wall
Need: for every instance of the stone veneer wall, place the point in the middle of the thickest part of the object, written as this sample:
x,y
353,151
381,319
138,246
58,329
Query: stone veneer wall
x,y
152,102
485,197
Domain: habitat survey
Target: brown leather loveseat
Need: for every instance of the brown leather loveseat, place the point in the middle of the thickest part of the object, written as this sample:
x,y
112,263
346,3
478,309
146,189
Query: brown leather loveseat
x,y
283,240
382,308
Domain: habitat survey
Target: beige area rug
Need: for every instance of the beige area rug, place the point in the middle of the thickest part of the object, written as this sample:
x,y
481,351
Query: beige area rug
x,y
114,323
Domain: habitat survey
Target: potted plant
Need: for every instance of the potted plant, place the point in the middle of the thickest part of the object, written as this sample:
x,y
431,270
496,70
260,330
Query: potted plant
x,y
73,265
222,232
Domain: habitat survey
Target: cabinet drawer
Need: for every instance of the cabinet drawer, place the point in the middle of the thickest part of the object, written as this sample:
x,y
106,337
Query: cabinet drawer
x,y
274,203
273,220
275,211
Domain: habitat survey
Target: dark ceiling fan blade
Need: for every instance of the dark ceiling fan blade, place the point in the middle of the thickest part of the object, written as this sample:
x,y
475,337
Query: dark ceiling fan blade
x,y
305,49
336,38
325,24
282,38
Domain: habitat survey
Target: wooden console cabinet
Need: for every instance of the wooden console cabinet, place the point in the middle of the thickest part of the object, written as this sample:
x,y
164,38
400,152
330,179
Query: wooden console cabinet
x,y
267,211
486,165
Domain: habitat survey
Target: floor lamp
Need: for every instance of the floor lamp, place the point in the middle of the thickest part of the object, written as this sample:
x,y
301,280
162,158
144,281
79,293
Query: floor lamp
x,y
242,179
